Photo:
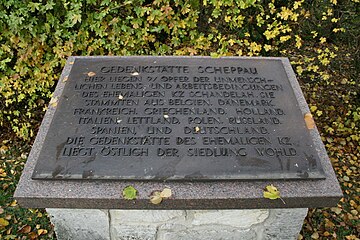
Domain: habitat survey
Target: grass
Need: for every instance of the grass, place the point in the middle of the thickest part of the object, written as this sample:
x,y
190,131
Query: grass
x,y
20,223
337,104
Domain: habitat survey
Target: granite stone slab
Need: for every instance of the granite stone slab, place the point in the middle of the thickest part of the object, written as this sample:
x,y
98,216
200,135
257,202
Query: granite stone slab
x,y
187,194
155,118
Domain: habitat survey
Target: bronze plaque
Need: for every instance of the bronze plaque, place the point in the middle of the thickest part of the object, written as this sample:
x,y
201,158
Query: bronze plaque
x,y
178,118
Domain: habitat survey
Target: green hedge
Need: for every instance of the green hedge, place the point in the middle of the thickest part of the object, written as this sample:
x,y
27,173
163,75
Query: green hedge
x,y
38,36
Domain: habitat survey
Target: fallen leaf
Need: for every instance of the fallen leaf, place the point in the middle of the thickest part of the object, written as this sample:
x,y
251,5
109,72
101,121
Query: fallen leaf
x,y
25,229
129,193
10,237
313,108
3,223
13,204
42,232
166,193
91,74
1,210
271,192
3,149
309,120
155,198
351,237
336,210
33,235
329,224
65,79
315,235
354,212
319,113
54,102
197,129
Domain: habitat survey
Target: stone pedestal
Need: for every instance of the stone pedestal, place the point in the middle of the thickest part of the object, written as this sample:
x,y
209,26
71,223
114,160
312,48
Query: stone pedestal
x,y
224,202
83,224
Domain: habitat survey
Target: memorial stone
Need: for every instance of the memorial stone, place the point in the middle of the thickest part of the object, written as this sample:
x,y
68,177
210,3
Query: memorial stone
x,y
170,118
216,131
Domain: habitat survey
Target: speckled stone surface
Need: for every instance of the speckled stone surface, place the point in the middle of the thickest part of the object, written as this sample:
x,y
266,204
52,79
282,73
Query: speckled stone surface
x,y
186,194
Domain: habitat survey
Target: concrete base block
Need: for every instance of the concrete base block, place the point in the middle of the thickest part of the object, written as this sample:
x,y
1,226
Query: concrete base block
x,y
80,224
284,224
257,224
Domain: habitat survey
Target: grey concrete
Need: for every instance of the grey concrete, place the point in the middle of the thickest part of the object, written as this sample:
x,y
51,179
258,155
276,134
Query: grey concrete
x,y
259,224
79,224
284,224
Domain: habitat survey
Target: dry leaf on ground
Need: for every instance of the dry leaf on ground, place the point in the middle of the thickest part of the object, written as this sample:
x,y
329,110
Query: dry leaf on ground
x,y
271,192
3,223
309,120
166,193
129,193
155,198
25,229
